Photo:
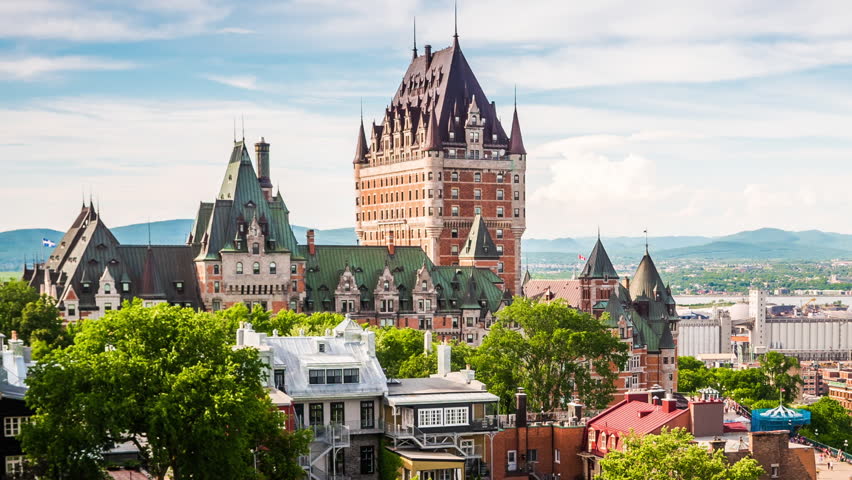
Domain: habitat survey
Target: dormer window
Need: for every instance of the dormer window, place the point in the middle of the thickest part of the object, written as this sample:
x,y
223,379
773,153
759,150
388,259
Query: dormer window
x,y
347,286
255,248
321,347
239,268
87,287
293,268
273,268
386,285
179,286
107,289
423,285
125,287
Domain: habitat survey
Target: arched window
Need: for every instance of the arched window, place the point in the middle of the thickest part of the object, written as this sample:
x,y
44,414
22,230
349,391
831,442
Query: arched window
x,y
613,442
477,177
255,268
107,289
273,269
255,248
239,268
517,179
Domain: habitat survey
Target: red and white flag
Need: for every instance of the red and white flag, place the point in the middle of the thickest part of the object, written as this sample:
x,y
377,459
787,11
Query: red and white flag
x,y
581,257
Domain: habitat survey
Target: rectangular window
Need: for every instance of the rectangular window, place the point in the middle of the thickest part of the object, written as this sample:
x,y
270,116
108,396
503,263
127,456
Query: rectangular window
x,y
500,267
368,456
454,176
278,376
293,268
455,416
107,306
72,310
337,415
216,286
557,456
477,177
500,249
517,212
12,425
532,455
217,305
316,414
368,414
334,375
477,210
351,375
454,211
499,194
430,417
499,212
215,269
455,322
454,249
477,194
316,377
14,465
454,193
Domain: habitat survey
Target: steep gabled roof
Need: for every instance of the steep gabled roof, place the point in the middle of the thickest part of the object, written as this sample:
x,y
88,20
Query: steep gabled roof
x,y
433,136
479,244
646,280
598,265
361,147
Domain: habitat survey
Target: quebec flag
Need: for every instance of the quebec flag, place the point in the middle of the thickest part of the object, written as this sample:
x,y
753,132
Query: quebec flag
x,y
47,243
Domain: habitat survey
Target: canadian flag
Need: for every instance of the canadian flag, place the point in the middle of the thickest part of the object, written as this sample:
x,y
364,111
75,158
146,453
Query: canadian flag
x,y
581,257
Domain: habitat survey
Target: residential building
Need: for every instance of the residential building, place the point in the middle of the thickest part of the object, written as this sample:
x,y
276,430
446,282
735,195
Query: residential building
x,y
439,158
648,412
13,410
336,387
440,426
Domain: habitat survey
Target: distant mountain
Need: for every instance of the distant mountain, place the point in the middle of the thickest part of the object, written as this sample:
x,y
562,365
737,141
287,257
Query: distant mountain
x,y
17,244
761,244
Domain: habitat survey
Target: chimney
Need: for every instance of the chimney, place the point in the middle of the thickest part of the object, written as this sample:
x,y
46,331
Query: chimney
x,y
626,282
656,391
669,403
521,408
391,246
427,51
261,150
427,342
636,396
312,248
444,352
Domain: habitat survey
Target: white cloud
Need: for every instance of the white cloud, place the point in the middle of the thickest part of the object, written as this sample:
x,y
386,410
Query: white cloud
x,y
246,82
236,31
32,67
159,159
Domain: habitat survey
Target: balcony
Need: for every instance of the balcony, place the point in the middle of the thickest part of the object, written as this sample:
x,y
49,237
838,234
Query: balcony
x,y
485,424
334,435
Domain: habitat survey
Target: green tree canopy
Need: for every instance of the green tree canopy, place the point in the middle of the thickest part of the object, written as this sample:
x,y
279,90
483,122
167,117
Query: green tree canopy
x,y
556,352
395,346
14,296
832,421
672,456
164,378
777,367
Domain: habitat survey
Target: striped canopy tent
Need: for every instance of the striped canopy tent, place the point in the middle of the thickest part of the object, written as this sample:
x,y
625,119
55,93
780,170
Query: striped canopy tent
x,y
779,418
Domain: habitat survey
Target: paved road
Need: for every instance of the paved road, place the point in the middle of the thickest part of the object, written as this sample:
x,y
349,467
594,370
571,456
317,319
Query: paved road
x,y
841,471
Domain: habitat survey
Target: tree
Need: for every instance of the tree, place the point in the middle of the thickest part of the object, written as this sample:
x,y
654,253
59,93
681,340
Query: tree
x,y
164,378
692,374
670,455
777,367
394,346
832,421
41,326
556,352
14,296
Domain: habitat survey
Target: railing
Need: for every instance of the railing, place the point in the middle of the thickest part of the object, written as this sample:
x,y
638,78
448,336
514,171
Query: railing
x,y
565,418
821,447
472,451
334,435
488,422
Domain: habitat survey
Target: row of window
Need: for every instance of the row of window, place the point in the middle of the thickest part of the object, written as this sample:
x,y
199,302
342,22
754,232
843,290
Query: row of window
x,y
273,268
422,177
442,417
395,213
330,376
396,197
316,413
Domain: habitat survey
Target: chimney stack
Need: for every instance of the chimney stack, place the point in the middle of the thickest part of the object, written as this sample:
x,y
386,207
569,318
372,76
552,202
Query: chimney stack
x,y
261,150
521,408
391,246
427,51
626,282
312,248
669,403
444,365
427,342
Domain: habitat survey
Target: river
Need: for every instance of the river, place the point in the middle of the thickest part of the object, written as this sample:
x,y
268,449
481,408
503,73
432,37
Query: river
x,y
779,300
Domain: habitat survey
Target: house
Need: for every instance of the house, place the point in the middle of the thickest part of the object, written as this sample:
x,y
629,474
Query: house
x,y
440,426
13,410
334,385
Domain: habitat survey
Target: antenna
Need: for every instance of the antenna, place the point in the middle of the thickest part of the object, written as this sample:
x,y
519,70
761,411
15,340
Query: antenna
x,y
599,232
414,50
149,232
646,241
516,96
243,121
235,129
456,19
362,110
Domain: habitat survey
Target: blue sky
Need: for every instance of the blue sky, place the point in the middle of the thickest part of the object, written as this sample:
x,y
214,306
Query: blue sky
x,y
679,117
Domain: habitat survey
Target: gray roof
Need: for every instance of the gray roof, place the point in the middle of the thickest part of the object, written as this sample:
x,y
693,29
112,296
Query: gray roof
x,y
598,265
479,243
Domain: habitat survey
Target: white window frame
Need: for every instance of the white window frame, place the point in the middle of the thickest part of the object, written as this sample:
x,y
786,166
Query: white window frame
x,y
12,425
14,464
467,446
456,416
430,417
557,456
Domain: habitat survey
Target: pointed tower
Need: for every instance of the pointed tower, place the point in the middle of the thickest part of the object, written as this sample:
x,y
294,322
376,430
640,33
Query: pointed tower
x,y
597,280
479,249
453,163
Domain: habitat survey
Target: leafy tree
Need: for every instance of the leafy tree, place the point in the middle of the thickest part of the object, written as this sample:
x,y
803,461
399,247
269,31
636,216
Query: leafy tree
x,y
286,322
832,421
41,326
419,366
777,366
395,346
692,374
164,378
14,296
671,455
689,363
556,352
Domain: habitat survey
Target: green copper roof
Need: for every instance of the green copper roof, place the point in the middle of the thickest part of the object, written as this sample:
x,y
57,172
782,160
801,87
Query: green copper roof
x,y
647,282
598,265
466,287
241,199
479,243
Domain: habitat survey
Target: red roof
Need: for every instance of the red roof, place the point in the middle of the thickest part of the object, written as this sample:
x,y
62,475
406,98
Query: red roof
x,y
735,427
568,290
641,417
